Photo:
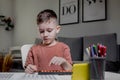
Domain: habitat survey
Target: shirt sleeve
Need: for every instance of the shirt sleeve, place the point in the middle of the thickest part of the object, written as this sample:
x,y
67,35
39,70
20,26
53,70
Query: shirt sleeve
x,y
67,54
29,58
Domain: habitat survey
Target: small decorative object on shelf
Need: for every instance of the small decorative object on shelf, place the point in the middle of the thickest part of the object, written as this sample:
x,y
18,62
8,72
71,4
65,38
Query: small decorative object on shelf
x,y
6,21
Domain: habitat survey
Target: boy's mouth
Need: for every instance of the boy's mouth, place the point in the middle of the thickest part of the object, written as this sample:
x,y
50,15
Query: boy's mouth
x,y
45,39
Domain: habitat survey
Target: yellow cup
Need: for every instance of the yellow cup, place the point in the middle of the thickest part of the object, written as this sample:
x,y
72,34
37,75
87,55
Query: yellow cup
x,y
81,71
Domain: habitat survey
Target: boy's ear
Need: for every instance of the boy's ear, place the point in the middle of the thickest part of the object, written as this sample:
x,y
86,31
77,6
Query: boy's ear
x,y
58,28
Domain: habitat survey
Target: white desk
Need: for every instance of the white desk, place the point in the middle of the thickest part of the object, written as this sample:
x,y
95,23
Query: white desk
x,y
112,76
23,76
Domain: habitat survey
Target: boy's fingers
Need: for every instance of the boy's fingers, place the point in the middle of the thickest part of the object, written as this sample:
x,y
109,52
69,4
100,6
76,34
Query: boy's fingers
x,y
30,69
53,60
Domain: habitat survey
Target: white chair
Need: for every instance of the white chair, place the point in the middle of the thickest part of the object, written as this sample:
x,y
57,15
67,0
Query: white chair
x,y
24,51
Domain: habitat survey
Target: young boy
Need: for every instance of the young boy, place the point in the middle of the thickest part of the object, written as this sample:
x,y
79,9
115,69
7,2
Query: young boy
x,y
50,54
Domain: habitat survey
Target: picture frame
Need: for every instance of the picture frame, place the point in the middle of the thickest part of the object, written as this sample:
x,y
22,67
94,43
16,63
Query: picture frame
x,y
94,10
68,12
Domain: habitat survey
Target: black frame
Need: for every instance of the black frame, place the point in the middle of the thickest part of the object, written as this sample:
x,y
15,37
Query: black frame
x,y
71,6
104,16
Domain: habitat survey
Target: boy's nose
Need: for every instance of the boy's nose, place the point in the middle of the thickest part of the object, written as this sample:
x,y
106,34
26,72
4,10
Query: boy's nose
x,y
46,33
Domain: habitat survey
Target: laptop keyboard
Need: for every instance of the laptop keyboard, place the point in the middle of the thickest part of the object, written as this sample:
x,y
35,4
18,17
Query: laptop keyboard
x,y
5,76
39,77
24,76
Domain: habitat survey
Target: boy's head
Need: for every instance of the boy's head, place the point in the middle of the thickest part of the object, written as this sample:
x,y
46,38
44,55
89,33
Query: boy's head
x,y
48,26
45,16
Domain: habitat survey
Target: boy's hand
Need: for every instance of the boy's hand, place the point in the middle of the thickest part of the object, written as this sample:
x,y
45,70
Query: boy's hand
x,y
57,61
31,68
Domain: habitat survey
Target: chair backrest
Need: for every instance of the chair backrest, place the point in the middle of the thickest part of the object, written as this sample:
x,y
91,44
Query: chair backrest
x,y
24,51
75,45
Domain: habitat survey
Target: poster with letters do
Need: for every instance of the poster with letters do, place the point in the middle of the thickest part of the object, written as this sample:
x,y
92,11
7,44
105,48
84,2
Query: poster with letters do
x,y
68,11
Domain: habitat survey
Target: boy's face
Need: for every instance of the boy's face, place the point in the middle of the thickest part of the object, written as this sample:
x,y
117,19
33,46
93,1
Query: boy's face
x,y
48,31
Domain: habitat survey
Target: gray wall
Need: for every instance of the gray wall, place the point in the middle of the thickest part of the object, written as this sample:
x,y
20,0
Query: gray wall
x,y
25,12
93,28
6,37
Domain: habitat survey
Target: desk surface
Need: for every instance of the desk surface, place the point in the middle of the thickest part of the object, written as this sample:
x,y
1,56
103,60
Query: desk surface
x,y
24,76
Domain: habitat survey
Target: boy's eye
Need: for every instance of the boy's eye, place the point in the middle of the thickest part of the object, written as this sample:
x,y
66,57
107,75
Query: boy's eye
x,y
42,31
49,30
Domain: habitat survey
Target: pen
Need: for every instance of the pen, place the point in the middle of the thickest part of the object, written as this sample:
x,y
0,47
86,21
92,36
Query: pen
x,y
92,51
95,50
88,52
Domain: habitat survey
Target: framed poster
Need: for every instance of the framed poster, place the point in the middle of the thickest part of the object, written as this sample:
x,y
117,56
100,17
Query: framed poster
x,y
94,10
68,11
